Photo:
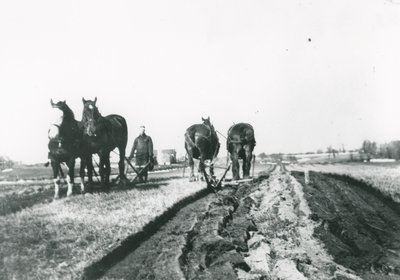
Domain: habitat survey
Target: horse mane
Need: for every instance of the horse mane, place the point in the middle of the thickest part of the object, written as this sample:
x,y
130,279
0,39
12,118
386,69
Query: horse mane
x,y
67,113
69,129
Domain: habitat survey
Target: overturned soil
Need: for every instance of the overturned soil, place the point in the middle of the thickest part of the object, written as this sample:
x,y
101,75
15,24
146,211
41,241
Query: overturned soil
x,y
202,241
359,227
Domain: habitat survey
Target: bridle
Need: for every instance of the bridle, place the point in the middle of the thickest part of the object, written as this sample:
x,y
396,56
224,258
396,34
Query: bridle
x,y
89,124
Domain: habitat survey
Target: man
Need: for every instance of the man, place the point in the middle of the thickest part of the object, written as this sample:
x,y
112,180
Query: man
x,y
143,146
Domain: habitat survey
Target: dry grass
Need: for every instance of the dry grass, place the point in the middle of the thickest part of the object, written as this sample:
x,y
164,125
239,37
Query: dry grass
x,y
383,177
59,239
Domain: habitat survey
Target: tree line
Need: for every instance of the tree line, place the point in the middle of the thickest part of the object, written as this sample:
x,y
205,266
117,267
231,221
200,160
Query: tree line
x,y
367,151
387,150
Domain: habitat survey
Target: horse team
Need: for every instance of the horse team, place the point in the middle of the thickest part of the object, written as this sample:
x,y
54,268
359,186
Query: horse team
x,y
97,134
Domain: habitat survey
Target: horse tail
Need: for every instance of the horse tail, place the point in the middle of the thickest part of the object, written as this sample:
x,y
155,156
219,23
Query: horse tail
x,y
125,132
191,146
118,128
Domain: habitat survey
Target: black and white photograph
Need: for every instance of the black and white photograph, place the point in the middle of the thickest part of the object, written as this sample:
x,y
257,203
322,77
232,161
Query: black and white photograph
x,y
188,139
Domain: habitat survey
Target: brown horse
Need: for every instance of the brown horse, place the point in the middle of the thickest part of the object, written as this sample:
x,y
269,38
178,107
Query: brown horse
x,y
201,142
101,135
65,145
240,145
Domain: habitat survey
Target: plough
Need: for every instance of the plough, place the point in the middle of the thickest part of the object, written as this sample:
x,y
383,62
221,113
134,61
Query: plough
x,y
212,181
216,184
139,173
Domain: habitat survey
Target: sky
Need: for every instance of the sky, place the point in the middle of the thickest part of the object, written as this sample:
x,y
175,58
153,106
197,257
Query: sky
x,y
306,74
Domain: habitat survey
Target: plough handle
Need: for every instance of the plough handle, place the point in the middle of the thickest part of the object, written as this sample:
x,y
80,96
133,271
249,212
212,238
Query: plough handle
x,y
223,176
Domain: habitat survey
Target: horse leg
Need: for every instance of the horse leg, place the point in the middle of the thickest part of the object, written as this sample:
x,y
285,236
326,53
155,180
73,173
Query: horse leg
x,y
84,165
202,168
191,164
82,174
235,162
121,166
70,176
101,167
90,168
56,167
107,171
247,161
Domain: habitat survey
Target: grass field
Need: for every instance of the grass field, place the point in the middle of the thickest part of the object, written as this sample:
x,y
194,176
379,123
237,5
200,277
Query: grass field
x,y
384,177
58,239
37,172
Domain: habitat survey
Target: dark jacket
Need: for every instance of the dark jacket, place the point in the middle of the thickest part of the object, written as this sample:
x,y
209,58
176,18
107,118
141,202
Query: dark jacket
x,y
143,145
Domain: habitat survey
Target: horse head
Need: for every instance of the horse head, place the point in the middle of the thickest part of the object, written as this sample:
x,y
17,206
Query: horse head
x,y
206,121
62,105
67,114
208,124
90,115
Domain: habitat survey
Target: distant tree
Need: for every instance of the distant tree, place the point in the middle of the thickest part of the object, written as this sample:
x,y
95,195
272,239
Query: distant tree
x,y
291,158
331,151
383,151
393,150
320,151
369,149
276,156
262,155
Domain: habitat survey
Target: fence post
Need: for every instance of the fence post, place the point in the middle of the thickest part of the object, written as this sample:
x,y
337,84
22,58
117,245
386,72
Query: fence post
x,y
306,176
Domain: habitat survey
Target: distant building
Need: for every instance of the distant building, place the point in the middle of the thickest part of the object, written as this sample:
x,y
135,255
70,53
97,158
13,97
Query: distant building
x,y
167,157
5,163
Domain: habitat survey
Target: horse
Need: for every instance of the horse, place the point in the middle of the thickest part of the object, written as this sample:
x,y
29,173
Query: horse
x,y
240,144
65,145
202,143
102,135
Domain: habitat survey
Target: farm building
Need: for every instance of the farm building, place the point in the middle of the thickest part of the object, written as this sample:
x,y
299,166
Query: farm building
x,y
5,163
167,157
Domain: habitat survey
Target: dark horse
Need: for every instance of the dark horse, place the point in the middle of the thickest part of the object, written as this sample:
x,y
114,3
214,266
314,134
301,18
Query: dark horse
x,y
201,142
240,144
102,135
65,145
